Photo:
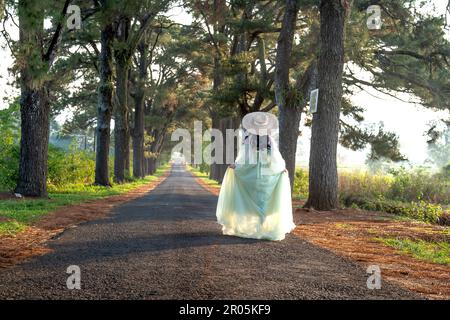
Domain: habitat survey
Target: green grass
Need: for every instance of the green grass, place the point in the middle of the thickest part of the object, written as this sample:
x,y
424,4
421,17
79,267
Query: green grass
x,y
21,213
11,227
204,176
436,252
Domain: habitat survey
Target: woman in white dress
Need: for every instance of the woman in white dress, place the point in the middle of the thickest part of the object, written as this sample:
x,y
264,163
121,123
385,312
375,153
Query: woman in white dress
x,y
255,197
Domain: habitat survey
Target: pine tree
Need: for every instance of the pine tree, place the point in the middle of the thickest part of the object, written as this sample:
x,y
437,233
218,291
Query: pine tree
x,y
34,61
323,187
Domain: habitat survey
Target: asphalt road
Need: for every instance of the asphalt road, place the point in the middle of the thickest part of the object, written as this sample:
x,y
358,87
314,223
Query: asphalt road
x,y
167,245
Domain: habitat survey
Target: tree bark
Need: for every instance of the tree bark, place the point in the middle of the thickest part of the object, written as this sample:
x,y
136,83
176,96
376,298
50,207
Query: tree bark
x,y
323,176
35,127
152,166
290,117
139,114
34,101
289,114
105,107
146,166
138,138
121,129
157,144
217,170
215,118
218,77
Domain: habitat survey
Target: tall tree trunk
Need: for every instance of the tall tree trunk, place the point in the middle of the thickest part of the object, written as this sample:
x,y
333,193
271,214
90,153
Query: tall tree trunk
x,y
218,77
121,129
152,166
289,114
146,166
35,127
323,176
34,103
139,113
289,121
231,122
34,64
157,144
214,114
138,138
105,107
94,143
121,114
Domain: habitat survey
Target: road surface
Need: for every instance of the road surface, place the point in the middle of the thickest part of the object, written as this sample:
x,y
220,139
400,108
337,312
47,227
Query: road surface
x,y
167,245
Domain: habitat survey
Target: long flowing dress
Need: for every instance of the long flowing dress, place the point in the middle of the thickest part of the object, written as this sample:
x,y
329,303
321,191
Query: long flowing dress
x,y
255,197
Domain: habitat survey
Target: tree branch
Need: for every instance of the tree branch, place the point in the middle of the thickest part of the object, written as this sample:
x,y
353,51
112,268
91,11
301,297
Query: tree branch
x,y
49,56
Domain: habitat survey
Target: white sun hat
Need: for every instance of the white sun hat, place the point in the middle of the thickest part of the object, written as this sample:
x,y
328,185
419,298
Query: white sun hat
x,y
260,123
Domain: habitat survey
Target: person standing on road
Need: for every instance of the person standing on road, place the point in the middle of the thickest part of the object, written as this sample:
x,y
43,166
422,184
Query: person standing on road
x,y
255,197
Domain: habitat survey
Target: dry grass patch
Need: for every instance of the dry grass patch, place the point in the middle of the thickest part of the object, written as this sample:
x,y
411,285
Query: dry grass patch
x,y
368,238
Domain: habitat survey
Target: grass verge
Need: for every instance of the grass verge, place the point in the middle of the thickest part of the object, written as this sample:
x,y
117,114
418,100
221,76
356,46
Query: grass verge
x,y
421,210
437,252
204,177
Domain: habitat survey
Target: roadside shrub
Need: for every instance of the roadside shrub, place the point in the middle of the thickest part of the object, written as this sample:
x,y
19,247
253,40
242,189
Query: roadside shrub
x,y
9,155
64,167
402,185
9,166
69,167
418,193
360,183
419,184
425,211
301,183
204,168
421,210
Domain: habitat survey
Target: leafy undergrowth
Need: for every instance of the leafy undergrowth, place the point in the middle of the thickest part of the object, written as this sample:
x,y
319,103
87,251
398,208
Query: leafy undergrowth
x,y
11,227
400,185
416,193
420,210
15,215
436,252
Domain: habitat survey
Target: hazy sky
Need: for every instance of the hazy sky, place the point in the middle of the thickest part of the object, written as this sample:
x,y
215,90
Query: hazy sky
x,y
408,120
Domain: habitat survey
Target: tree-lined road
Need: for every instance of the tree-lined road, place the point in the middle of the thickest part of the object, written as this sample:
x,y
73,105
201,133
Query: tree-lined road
x,y
167,245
